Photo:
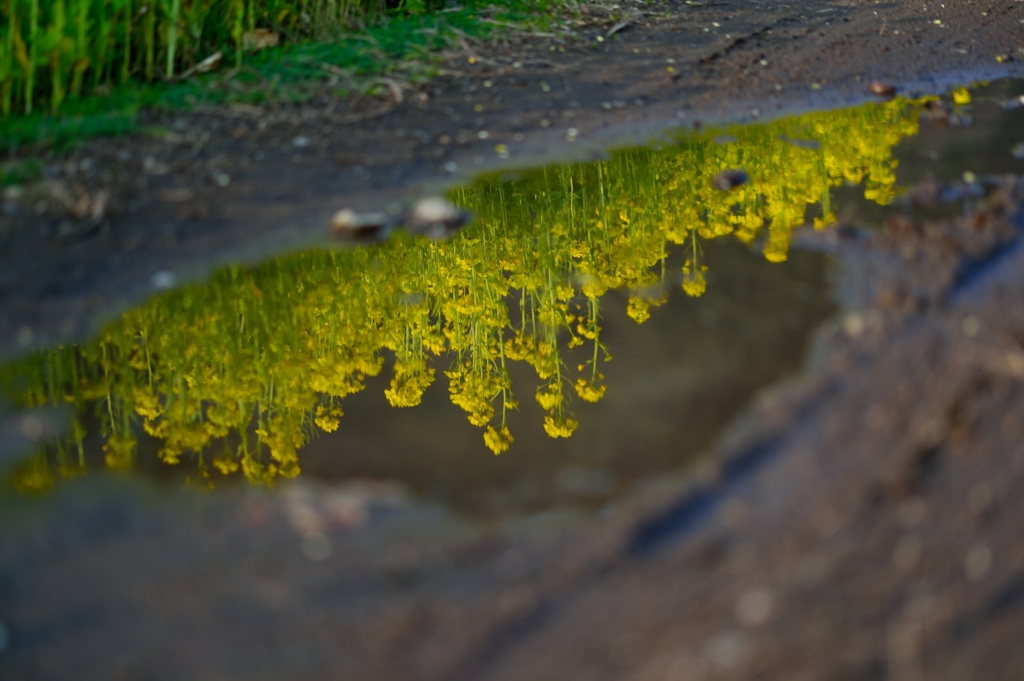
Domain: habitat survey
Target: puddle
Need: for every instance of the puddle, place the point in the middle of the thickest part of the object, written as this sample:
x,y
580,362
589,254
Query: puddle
x,y
596,325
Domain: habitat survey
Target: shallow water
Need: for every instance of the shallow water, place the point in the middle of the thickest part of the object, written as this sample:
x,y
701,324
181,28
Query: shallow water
x,y
597,324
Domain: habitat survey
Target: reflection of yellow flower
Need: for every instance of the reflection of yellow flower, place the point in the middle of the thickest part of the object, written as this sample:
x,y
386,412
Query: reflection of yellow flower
x,y
694,283
961,96
589,391
638,309
120,450
328,418
497,441
260,358
559,428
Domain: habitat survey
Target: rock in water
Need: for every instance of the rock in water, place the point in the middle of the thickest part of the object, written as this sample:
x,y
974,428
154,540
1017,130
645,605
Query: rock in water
x,y
730,179
436,218
352,226
882,89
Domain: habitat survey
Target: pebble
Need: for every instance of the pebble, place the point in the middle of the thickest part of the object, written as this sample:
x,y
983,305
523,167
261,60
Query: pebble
x,y
348,224
978,562
1014,103
163,280
436,217
754,607
882,89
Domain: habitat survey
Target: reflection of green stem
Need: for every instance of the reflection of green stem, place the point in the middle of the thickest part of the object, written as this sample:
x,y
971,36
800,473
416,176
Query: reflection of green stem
x,y
593,327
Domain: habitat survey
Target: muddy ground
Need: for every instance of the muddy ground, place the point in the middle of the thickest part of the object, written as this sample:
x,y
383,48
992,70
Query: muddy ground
x,y
859,522
86,243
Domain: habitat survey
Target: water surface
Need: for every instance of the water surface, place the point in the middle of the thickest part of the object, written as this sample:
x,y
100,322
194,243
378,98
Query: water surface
x,y
597,324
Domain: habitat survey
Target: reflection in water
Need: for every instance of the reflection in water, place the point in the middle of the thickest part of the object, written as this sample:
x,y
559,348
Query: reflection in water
x,y
244,370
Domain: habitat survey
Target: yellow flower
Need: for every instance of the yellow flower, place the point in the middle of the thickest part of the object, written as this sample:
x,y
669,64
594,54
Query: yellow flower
x,y
498,441
328,418
589,391
560,428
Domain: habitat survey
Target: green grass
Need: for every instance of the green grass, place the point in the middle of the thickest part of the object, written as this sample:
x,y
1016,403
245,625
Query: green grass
x,y
404,46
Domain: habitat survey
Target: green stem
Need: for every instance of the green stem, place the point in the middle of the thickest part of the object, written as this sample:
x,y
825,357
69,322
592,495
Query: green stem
x,y
33,55
172,37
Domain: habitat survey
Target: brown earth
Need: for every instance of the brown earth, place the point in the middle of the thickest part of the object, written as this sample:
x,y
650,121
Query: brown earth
x,y
87,242
860,522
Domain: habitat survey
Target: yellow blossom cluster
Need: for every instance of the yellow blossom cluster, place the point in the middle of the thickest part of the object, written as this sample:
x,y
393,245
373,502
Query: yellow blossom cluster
x,y
263,357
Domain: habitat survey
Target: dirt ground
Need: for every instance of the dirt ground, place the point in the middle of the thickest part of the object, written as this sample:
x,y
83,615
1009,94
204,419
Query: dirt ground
x,y
860,522
236,184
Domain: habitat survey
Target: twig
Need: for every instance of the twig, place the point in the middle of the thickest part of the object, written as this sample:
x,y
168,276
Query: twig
x,y
395,87
621,26
519,28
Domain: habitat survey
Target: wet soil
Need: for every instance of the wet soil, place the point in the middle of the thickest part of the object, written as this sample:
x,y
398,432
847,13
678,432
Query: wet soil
x,y
238,183
861,522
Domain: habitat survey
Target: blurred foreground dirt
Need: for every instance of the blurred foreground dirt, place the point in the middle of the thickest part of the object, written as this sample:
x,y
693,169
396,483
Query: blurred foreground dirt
x,y
861,522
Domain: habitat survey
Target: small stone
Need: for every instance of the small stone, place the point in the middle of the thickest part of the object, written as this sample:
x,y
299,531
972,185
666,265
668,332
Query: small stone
x,y
882,89
350,225
32,428
978,562
1014,102
754,607
301,142
854,325
1018,152
436,218
163,280
730,179
970,326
